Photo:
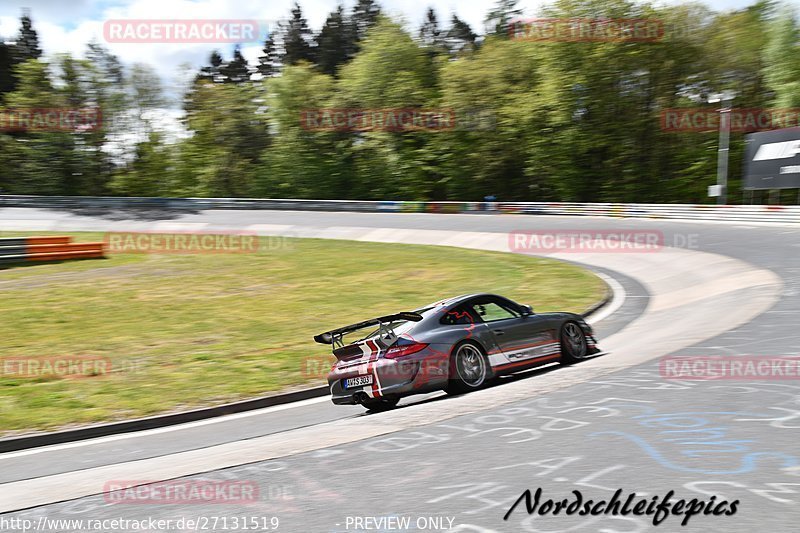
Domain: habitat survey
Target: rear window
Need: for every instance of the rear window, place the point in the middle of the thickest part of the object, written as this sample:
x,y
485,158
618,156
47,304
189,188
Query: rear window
x,y
463,314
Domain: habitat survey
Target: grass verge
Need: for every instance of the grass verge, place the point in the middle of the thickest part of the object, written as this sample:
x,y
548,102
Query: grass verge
x,y
182,331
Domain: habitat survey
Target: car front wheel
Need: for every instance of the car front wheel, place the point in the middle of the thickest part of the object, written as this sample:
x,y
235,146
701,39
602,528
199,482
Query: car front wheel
x,y
573,343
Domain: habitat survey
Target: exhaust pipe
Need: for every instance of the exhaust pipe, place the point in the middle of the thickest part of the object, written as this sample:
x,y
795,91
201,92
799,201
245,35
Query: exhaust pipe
x,y
360,397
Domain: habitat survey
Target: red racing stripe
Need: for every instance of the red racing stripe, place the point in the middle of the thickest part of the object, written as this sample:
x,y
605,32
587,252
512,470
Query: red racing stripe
x,y
374,351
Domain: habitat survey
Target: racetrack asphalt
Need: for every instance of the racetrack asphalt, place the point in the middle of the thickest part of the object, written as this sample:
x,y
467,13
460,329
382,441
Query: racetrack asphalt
x,y
563,430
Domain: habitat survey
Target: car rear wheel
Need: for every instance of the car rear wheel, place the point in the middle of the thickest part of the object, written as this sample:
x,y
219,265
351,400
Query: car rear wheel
x,y
469,369
384,404
573,343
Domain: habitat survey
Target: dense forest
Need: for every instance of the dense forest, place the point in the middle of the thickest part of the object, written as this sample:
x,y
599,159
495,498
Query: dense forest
x,y
536,120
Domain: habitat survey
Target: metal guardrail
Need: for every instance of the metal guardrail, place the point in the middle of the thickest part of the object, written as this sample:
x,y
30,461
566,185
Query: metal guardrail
x,y
732,213
740,213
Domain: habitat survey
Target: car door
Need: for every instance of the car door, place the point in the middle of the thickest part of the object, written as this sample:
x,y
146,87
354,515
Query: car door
x,y
521,338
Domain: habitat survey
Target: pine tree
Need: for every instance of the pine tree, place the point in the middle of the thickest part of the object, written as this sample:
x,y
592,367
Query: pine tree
x,y
269,63
501,15
25,47
333,43
297,39
236,70
7,80
460,36
27,44
429,32
212,72
106,62
365,14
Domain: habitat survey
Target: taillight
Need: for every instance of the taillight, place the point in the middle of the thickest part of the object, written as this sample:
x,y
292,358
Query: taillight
x,y
405,349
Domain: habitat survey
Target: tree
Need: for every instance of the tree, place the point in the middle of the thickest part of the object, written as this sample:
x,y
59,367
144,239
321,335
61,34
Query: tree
x,y
40,162
146,98
297,39
228,135
782,59
27,43
106,89
460,36
498,19
390,71
236,70
213,71
106,62
269,62
7,79
574,121
333,43
299,162
429,32
364,15
146,174
24,47
503,81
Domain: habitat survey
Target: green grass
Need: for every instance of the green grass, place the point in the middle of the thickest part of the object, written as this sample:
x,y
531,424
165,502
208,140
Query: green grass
x,y
184,331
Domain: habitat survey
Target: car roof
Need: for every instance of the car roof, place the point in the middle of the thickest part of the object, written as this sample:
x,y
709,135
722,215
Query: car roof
x,y
459,299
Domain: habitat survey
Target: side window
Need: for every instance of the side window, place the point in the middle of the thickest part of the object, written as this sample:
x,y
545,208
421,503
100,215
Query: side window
x,y
463,314
491,311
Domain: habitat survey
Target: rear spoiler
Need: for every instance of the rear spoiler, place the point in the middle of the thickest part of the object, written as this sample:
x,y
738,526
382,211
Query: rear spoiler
x,y
335,335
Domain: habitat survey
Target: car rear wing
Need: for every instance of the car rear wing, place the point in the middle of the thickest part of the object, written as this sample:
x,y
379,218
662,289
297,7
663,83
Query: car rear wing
x,y
384,323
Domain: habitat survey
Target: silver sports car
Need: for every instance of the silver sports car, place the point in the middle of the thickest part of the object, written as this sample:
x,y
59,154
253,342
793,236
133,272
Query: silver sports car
x,y
455,344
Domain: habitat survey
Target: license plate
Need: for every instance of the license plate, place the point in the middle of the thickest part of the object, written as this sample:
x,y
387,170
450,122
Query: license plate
x,y
358,381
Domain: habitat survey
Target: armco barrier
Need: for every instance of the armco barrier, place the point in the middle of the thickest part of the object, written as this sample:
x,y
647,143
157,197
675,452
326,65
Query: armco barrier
x,y
733,213
24,249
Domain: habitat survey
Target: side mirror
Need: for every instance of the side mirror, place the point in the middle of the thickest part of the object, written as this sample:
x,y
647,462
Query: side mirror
x,y
526,310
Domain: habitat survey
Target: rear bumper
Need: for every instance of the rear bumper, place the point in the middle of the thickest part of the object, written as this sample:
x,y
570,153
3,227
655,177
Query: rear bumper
x,y
391,378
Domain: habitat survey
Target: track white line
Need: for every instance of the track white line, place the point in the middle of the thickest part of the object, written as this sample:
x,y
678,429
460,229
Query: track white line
x,y
617,299
167,429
